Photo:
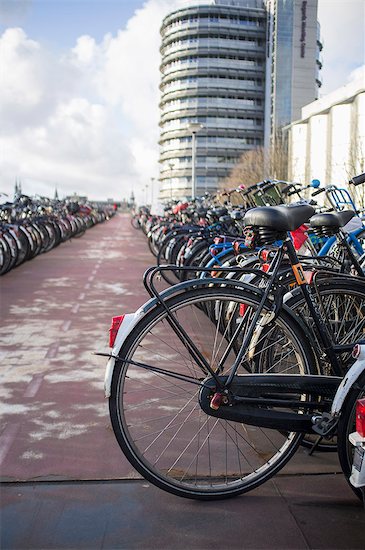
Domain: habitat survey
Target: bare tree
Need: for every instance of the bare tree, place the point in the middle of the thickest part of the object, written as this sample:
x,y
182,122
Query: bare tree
x,y
256,165
249,169
278,160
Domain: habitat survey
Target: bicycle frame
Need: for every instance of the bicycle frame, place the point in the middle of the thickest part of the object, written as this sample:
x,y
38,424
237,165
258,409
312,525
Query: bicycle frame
x,y
351,239
222,249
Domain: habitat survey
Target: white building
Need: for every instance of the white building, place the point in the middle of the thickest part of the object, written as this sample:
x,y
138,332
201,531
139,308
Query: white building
x,y
328,143
212,85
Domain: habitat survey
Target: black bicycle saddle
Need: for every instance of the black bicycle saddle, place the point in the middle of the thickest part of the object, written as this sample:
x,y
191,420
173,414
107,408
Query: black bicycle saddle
x,y
280,218
332,219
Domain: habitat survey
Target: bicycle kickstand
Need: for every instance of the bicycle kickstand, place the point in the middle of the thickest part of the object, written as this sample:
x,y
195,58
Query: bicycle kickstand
x,y
315,445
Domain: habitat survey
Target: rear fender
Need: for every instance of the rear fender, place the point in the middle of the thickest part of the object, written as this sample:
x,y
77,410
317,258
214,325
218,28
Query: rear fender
x,y
352,375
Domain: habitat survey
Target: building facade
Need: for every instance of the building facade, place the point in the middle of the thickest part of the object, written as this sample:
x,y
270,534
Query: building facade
x,y
328,141
293,62
227,83
213,81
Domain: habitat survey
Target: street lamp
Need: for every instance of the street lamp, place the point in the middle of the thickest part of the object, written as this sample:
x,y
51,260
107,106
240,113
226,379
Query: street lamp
x,y
152,190
171,166
145,189
194,128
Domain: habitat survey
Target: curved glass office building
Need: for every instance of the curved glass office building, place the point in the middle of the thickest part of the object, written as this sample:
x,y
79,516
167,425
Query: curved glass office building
x,y
212,92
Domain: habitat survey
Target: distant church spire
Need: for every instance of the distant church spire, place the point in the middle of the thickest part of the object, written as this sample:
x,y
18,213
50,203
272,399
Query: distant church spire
x,y
17,189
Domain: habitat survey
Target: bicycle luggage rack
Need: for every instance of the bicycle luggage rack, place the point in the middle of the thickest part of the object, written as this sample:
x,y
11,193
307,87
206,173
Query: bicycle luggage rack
x,y
154,271
341,198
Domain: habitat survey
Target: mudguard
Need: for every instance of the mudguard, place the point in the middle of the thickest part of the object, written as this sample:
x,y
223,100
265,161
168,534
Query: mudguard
x,y
350,378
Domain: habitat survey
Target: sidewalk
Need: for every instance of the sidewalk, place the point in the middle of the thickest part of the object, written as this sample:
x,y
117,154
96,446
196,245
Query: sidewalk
x,y
291,512
65,482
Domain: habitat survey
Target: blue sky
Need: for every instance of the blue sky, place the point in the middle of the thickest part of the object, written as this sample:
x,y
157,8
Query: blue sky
x,y
79,89
60,22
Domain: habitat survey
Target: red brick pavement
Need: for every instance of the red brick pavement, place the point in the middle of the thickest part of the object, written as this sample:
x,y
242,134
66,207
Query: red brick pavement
x,y
55,312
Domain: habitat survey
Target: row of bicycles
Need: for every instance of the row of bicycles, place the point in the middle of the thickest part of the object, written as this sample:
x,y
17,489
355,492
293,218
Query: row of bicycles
x,y
252,342
32,226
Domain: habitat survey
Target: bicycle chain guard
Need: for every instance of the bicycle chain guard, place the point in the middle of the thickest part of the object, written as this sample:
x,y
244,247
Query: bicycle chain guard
x,y
270,400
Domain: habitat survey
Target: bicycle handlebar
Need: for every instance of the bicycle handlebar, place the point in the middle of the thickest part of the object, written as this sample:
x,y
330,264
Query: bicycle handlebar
x,y
318,192
356,180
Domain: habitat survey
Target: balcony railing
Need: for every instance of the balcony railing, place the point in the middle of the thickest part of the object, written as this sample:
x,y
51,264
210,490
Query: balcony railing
x,y
211,83
216,23
216,44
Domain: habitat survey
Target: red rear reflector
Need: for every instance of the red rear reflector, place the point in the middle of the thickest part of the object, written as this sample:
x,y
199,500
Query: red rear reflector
x,y
264,255
243,308
113,331
360,417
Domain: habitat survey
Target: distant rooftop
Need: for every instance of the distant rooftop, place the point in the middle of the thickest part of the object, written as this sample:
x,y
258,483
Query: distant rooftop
x,y
344,94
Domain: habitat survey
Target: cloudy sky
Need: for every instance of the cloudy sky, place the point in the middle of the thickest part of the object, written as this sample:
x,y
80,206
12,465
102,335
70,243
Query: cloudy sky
x,y
79,90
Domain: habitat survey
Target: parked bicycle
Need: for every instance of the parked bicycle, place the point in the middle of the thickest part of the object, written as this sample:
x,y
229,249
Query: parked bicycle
x,y
31,226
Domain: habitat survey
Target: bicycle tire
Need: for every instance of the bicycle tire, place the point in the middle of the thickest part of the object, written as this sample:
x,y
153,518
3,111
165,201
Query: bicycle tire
x,y
152,245
135,223
198,251
5,255
12,247
340,254
163,258
146,407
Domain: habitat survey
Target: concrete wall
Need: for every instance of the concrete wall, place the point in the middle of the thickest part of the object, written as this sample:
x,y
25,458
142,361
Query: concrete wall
x,y
328,142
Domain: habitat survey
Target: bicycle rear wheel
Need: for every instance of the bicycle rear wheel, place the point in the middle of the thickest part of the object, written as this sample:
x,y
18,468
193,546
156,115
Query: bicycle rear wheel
x,y
157,419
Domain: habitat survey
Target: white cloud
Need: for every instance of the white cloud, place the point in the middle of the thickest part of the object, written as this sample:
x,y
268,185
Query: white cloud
x,y
15,51
85,50
86,121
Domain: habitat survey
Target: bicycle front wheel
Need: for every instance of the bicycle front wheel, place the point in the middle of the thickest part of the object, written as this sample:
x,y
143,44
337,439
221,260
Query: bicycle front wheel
x,y
156,416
